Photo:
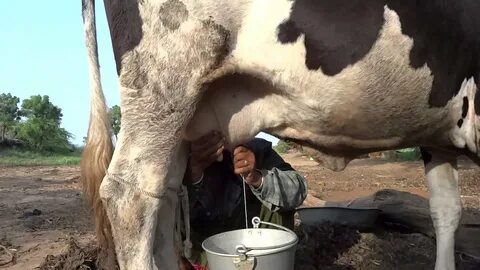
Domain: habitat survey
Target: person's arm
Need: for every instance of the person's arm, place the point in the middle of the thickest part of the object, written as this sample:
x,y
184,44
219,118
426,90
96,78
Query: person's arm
x,y
282,187
203,154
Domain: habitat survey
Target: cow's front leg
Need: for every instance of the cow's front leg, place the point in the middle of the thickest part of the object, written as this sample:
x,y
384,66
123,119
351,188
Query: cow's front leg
x,y
164,56
140,195
445,203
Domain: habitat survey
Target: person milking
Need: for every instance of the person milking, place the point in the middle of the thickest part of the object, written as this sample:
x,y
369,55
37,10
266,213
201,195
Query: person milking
x,y
215,188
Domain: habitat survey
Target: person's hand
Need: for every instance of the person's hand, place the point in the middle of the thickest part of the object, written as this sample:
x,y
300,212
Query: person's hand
x,y
204,152
244,164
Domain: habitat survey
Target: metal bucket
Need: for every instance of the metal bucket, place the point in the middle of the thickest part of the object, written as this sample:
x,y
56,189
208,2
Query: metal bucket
x,y
252,249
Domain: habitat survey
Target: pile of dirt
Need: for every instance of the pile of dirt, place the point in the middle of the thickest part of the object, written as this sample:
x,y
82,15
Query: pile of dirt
x,y
76,258
338,247
323,244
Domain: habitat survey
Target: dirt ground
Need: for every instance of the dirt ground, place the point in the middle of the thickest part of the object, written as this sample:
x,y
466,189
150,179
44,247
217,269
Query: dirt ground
x,y
42,213
41,208
365,176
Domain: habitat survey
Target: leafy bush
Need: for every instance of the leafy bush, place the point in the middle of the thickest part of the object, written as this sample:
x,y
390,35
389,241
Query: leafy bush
x,y
408,154
9,114
44,136
282,147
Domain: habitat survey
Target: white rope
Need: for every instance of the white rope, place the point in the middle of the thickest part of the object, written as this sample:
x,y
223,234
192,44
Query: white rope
x,y
183,205
245,202
186,217
178,223
11,253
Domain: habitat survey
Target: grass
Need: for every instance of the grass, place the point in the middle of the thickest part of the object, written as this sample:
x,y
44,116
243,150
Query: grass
x,y
282,147
28,158
408,154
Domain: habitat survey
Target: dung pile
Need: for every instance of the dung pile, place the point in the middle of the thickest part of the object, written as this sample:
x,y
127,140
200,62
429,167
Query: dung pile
x,y
337,247
332,246
76,258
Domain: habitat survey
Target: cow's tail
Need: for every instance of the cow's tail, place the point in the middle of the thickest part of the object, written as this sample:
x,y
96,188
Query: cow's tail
x,y
98,149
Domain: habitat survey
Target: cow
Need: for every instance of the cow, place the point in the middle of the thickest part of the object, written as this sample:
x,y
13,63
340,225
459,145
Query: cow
x,y
342,78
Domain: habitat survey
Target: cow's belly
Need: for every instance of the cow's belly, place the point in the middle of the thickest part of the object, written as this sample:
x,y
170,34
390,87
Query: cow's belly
x,y
372,101
379,98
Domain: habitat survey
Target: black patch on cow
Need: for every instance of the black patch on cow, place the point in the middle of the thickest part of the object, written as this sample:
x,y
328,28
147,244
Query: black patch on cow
x,y
337,33
460,123
477,102
288,32
426,156
173,13
446,36
465,107
125,26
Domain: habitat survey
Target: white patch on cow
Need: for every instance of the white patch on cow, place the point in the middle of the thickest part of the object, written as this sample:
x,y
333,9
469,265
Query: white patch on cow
x,y
258,41
229,14
150,175
467,134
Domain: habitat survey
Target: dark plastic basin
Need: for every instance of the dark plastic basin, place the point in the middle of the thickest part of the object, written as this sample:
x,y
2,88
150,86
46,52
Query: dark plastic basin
x,y
364,218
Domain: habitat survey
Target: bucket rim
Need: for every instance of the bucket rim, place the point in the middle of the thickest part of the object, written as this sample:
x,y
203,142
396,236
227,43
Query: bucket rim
x,y
339,208
264,253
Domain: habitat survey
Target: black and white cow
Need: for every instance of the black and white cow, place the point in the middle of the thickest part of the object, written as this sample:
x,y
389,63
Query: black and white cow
x,y
343,77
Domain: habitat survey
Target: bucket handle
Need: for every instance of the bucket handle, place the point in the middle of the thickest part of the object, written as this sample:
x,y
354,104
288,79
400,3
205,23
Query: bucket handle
x,y
256,223
241,250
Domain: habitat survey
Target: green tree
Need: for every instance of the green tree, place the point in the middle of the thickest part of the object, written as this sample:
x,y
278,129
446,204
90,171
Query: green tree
x,y
9,113
115,119
41,107
44,135
41,130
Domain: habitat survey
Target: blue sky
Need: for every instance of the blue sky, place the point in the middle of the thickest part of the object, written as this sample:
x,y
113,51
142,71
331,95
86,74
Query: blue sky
x,y
43,52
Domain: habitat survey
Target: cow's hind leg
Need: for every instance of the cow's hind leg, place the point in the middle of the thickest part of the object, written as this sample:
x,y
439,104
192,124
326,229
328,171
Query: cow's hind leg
x,y
445,203
160,80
